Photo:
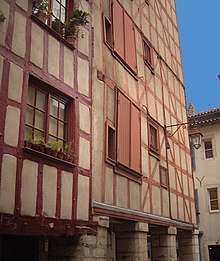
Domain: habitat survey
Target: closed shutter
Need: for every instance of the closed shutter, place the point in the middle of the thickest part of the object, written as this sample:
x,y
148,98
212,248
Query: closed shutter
x,y
123,130
130,52
135,139
118,29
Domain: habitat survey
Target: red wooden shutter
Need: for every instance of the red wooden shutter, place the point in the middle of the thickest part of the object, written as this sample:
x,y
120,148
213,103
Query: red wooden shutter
x,y
130,50
118,29
135,139
123,155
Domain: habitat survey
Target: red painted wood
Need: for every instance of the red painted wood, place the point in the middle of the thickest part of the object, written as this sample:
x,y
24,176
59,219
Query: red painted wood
x,y
118,29
130,50
123,130
135,161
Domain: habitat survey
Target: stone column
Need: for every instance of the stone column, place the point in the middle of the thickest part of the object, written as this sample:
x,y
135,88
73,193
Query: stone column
x,y
189,246
164,243
131,240
84,247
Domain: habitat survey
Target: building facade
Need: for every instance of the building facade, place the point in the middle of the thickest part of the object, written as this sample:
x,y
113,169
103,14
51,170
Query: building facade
x,y
206,173
127,191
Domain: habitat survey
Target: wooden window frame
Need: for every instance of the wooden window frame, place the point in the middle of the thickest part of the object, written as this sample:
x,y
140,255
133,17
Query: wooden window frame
x,y
152,149
165,185
205,150
69,7
110,143
148,61
212,200
49,91
125,57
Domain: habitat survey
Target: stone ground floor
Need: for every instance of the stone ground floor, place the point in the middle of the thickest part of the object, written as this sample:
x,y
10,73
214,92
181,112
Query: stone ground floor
x,y
115,240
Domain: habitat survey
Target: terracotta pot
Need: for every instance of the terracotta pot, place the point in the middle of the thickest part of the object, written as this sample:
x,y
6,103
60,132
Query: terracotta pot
x,y
47,151
54,153
42,17
27,144
60,155
71,39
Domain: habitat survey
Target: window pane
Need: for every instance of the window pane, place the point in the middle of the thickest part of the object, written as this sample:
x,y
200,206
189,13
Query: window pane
x,y
63,15
153,137
28,133
29,119
39,120
40,100
56,9
52,138
31,96
111,105
54,107
214,205
213,194
209,154
62,112
38,134
53,126
208,144
63,2
61,130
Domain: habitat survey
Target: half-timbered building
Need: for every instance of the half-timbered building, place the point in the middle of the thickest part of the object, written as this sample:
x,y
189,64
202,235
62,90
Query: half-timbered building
x,y
126,190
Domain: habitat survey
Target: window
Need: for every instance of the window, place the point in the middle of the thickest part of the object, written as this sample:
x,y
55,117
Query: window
x,y
148,54
46,116
163,177
208,149
213,199
122,36
153,138
58,15
127,130
128,134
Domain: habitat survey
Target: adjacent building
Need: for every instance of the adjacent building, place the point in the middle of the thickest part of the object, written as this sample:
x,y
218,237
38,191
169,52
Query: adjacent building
x,y
206,172
108,100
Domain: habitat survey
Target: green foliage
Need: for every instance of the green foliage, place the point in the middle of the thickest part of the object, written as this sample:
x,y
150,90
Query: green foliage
x,y
41,6
77,19
54,145
68,149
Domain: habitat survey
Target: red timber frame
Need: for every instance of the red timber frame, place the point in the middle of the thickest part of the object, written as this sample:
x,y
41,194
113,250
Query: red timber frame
x,y
179,143
40,225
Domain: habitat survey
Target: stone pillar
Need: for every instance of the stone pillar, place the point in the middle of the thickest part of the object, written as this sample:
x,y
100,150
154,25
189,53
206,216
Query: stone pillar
x,y
164,243
82,248
189,246
131,241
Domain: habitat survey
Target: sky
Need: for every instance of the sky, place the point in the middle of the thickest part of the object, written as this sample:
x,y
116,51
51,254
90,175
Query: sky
x,y
199,32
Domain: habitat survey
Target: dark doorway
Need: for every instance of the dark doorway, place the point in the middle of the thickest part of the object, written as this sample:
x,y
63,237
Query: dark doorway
x,y
214,252
19,248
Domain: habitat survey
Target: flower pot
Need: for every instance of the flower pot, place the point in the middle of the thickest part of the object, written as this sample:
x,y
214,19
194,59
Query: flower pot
x,y
54,153
60,155
71,39
47,151
42,17
27,144
37,147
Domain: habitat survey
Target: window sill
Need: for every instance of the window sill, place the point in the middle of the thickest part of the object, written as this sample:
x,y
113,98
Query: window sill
x,y
52,32
35,153
150,67
121,61
128,173
214,211
154,153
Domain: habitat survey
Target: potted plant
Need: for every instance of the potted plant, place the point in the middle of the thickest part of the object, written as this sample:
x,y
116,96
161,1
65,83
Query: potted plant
x,y
72,27
42,9
38,144
28,142
54,145
60,154
68,152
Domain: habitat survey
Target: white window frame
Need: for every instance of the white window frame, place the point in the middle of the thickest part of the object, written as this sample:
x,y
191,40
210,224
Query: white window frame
x,y
212,149
214,210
